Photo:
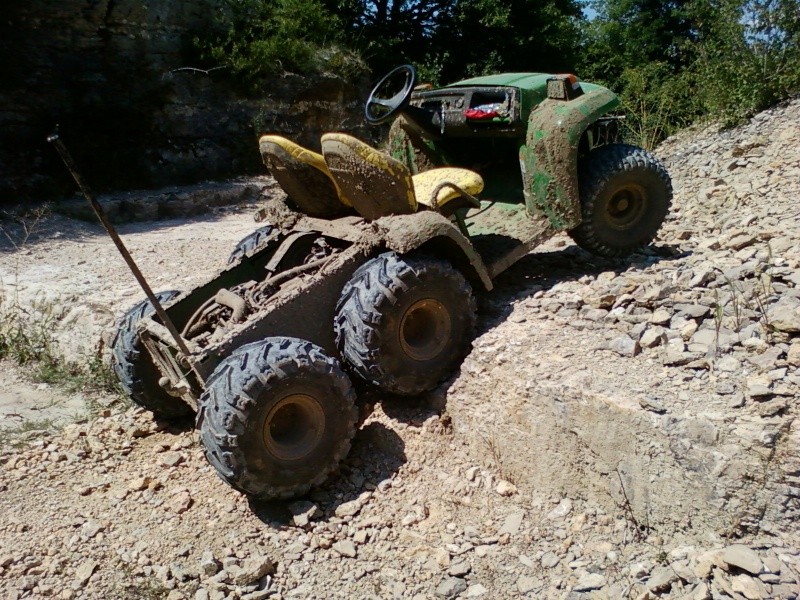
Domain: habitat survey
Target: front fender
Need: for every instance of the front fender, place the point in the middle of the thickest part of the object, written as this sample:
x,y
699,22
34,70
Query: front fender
x,y
431,231
549,158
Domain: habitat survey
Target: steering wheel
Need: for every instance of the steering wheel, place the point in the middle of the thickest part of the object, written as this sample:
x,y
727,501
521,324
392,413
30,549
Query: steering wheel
x,y
381,105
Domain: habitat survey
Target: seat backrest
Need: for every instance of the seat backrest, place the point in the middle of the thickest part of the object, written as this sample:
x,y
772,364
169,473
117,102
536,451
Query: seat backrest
x,y
304,177
375,183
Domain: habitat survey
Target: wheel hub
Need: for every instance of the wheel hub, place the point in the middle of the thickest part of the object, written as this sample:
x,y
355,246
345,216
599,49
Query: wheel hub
x,y
626,206
425,329
294,427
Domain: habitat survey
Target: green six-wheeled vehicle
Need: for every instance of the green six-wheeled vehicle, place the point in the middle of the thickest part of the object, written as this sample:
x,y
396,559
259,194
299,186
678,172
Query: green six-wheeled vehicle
x,y
366,273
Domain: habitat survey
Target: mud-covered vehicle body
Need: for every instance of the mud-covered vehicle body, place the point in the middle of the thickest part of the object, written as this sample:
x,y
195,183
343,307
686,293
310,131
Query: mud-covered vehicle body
x,y
367,274
549,148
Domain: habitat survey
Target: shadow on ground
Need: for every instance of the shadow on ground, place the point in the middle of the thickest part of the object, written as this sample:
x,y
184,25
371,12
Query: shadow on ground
x,y
376,456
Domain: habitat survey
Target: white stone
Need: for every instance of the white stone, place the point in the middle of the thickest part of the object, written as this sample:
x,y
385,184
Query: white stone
x,y
562,510
345,548
505,488
84,572
743,557
526,583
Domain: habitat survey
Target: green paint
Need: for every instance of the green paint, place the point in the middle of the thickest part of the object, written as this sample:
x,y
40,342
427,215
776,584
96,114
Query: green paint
x,y
402,144
550,174
548,154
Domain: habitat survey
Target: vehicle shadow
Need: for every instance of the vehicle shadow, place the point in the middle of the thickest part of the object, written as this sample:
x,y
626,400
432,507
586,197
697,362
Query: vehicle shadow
x,y
376,455
540,271
410,410
176,425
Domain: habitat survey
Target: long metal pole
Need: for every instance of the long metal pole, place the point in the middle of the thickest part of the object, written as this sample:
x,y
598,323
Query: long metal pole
x,y
101,214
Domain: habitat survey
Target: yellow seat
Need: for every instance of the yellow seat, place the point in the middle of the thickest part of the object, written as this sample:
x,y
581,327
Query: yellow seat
x,y
304,177
377,185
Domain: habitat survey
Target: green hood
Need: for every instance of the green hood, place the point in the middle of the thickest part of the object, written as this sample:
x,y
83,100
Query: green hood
x,y
528,81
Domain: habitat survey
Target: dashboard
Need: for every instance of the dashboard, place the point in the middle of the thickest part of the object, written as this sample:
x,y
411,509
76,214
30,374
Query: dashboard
x,y
479,111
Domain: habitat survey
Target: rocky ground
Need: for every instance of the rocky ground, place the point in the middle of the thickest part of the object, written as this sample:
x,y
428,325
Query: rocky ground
x,y
619,430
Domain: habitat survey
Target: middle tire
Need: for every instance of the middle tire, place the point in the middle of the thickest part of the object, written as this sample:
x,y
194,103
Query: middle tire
x,y
404,323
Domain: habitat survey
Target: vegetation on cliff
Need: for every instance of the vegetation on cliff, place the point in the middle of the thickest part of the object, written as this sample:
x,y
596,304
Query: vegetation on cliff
x,y
674,62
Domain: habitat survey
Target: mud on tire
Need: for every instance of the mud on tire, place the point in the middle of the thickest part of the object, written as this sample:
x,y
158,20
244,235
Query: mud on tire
x,y
625,196
405,323
277,417
260,237
137,373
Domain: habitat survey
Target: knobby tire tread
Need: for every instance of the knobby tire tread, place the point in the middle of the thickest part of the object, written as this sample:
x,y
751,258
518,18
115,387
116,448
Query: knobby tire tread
x,y
603,164
252,241
374,288
134,368
230,399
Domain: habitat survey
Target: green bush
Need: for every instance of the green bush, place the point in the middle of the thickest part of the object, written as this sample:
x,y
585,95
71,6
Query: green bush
x,y
261,38
656,102
749,56
674,63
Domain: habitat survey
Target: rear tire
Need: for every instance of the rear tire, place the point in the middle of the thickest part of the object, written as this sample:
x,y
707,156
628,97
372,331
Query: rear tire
x,y
405,323
253,241
137,373
277,417
625,196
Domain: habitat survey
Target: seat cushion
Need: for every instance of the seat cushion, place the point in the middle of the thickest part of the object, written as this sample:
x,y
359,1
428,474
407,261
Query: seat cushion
x,y
304,177
425,185
376,184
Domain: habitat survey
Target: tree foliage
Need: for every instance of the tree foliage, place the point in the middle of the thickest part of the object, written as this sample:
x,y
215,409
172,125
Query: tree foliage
x,y
748,55
389,32
678,61
446,39
517,35
673,61
259,38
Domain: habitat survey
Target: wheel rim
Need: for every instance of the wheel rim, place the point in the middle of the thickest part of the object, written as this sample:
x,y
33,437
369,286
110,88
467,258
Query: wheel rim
x,y
425,329
294,427
626,206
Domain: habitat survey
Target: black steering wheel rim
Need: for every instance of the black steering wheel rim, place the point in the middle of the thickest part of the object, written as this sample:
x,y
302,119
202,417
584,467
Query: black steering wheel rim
x,y
395,103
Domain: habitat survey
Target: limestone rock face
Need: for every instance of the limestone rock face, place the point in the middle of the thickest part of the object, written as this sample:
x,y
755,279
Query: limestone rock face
x,y
108,72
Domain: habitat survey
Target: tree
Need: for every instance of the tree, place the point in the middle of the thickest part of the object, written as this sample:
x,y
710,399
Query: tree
x,y
263,37
449,39
641,49
516,35
748,54
633,33
673,62
390,32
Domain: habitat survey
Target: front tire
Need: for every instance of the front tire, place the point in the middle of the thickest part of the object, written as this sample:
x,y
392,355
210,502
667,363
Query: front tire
x,y
277,417
134,367
404,323
625,196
